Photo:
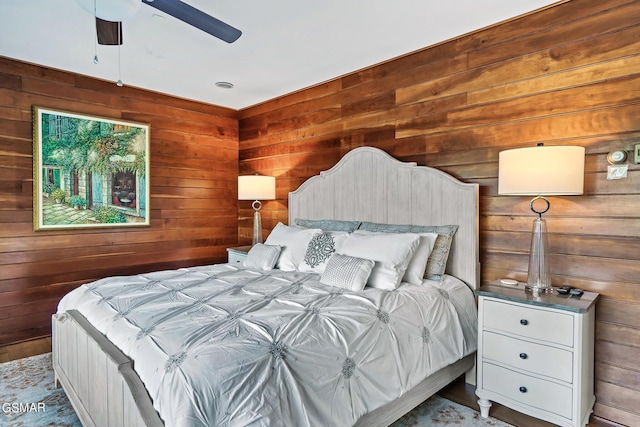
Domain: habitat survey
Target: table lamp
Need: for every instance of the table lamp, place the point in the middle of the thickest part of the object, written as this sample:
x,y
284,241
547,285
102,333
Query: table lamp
x,y
541,171
256,188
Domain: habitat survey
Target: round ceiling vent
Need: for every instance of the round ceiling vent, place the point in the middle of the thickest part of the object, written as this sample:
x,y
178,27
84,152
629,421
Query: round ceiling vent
x,y
224,85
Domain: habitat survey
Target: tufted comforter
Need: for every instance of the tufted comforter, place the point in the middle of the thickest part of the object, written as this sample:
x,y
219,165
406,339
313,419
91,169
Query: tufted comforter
x,y
220,345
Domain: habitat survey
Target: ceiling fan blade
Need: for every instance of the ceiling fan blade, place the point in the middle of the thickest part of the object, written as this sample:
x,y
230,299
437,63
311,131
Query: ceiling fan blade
x,y
109,32
196,18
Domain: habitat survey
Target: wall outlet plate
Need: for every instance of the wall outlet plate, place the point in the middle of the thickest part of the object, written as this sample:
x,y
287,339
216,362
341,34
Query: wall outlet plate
x,y
636,153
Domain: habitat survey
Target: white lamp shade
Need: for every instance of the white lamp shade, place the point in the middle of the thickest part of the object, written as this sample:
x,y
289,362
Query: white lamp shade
x,y
541,170
256,187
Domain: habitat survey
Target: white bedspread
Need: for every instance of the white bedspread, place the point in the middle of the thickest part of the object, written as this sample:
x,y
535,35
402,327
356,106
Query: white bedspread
x,y
222,346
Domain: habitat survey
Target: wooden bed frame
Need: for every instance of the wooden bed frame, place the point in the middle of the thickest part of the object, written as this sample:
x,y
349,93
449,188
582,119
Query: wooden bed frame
x,y
366,185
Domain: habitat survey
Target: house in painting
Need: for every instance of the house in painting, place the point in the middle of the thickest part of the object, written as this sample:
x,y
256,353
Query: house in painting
x,y
94,163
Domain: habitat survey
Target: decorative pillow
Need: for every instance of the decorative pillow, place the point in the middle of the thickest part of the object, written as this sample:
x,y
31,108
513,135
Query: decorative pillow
x,y
391,253
320,249
294,242
384,228
418,264
262,257
437,261
347,272
328,224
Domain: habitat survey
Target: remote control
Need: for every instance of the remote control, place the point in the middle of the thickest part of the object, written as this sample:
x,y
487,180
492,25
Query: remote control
x,y
564,290
576,292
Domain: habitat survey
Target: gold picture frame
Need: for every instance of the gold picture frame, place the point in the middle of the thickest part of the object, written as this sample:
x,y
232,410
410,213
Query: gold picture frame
x,y
89,172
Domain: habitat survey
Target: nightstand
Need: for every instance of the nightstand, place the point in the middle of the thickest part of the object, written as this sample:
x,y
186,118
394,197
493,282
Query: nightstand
x,y
238,254
535,353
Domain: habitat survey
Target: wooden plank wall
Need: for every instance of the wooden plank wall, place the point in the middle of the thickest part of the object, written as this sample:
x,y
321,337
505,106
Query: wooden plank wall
x,y
194,165
568,74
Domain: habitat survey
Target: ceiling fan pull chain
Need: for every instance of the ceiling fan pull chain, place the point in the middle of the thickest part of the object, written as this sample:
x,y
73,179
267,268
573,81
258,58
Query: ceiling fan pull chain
x,y
95,40
119,82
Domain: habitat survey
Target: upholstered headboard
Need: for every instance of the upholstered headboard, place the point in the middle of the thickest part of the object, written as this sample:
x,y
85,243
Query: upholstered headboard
x,y
368,184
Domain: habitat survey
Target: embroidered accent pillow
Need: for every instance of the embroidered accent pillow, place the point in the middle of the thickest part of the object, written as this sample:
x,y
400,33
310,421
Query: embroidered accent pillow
x,y
347,272
320,249
262,257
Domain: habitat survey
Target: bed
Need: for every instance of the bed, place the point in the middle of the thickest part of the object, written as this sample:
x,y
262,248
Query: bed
x,y
273,343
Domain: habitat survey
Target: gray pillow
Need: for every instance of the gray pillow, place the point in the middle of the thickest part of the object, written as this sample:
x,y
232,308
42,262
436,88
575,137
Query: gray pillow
x,y
384,228
262,257
347,272
437,262
328,224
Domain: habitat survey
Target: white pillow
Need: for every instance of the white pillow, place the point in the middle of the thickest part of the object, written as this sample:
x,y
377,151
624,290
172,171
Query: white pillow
x,y
293,241
391,253
262,257
418,264
320,248
347,272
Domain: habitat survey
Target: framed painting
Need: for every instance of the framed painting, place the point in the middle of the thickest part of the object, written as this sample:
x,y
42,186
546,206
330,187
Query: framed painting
x,y
89,171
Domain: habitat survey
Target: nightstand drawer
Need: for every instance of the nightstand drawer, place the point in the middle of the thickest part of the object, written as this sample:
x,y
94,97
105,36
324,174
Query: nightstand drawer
x,y
235,258
534,323
534,392
537,358
238,254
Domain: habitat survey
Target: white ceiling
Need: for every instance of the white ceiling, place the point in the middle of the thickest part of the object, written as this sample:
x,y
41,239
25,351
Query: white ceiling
x,y
286,45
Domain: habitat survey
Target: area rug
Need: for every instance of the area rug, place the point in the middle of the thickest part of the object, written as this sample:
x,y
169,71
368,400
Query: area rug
x,y
28,398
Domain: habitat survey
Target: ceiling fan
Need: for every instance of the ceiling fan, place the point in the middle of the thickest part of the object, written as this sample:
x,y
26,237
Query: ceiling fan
x,y
109,15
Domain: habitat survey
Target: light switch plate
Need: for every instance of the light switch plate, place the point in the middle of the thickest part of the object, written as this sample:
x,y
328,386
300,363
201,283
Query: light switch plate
x,y
636,154
617,171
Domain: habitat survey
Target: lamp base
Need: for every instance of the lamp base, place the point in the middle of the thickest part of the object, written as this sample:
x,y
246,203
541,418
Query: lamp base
x,y
257,223
538,276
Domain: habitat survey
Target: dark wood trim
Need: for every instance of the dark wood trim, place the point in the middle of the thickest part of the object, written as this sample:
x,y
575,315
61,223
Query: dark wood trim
x,y
25,349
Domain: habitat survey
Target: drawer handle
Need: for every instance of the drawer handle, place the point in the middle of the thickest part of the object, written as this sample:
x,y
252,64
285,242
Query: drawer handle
x,y
523,356
524,322
522,389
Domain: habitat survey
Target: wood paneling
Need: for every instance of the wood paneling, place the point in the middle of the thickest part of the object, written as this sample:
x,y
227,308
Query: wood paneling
x,y
568,74
193,210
